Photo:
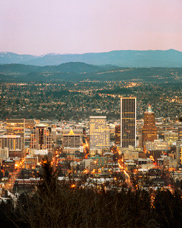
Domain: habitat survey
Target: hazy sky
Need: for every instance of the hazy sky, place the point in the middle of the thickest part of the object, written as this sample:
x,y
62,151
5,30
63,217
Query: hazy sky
x,y
80,26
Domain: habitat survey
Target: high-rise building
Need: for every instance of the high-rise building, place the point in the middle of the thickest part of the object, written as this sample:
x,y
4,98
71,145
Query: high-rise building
x,y
41,139
117,134
149,130
99,133
13,143
128,121
16,127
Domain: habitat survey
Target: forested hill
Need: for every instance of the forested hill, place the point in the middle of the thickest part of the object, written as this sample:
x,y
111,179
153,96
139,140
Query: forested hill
x,y
72,67
81,71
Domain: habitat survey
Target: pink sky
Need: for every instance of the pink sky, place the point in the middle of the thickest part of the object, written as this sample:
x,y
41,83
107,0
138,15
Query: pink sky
x,y
80,26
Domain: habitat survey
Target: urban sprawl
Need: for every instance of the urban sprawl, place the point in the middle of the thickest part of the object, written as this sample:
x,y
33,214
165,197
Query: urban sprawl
x,y
126,153
90,154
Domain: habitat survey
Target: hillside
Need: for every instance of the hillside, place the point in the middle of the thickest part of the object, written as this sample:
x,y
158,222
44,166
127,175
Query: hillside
x,y
72,67
82,71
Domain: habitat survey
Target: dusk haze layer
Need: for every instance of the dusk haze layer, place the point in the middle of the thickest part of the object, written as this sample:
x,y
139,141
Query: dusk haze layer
x,y
67,26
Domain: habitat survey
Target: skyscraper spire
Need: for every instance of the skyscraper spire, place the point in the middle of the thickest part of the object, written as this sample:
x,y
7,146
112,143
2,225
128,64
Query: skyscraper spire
x,y
149,108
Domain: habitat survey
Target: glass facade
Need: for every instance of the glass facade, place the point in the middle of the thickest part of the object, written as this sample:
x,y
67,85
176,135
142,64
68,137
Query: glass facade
x,y
128,121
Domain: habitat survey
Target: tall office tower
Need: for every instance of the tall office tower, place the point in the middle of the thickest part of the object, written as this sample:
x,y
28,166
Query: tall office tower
x,y
16,127
117,134
128,121
13,143
149,130
99,133
41,139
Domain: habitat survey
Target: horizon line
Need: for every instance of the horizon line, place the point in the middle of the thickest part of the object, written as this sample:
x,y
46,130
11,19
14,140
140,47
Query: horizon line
x,y
54,53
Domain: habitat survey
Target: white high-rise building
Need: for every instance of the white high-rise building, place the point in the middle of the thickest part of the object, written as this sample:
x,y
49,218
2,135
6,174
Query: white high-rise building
x,y
99,133
128,121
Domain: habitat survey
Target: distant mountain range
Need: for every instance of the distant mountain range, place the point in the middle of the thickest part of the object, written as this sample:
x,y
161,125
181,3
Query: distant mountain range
x,y
128,58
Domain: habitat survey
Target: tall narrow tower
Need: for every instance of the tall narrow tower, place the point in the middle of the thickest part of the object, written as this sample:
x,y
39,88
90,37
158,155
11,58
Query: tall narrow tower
x,y
149,130
128,121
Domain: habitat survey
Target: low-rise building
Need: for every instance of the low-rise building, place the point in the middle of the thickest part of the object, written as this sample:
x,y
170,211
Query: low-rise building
x,y
30,162
8,165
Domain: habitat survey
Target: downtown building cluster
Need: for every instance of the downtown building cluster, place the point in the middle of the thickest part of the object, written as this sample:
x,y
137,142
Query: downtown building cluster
x,y
96,146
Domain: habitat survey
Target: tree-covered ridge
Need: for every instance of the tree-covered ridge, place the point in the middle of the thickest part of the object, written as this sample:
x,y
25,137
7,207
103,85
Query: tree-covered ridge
x,y
81,72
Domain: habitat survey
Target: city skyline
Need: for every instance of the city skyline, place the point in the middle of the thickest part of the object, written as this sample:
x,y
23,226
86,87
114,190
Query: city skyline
x,y
40,27
77,146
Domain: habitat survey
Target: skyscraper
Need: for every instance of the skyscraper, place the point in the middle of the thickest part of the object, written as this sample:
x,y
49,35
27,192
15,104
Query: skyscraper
x,y
99,133
128,121
41,139
117,134
13,143
16,127
149,130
